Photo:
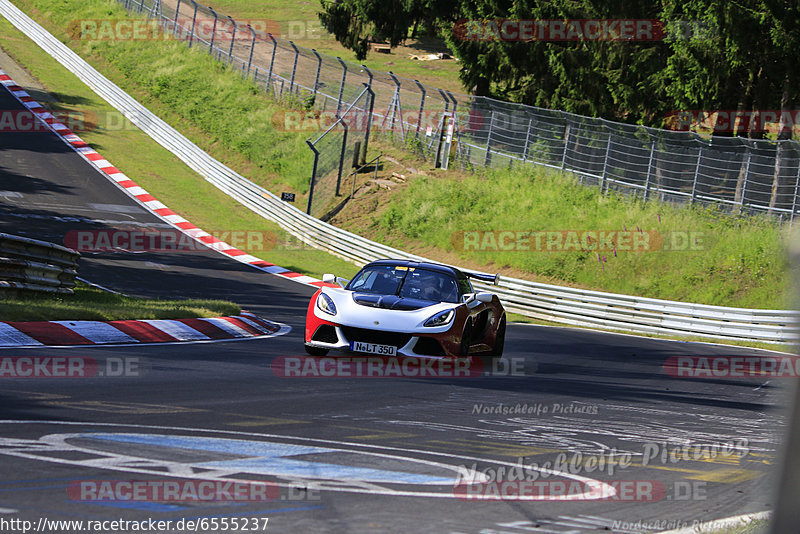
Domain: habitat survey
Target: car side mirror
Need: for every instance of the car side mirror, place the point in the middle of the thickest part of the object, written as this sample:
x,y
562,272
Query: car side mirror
x,y
329,278
486,298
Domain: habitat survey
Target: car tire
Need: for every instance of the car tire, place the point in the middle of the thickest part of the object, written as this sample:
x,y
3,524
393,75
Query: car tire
x,y
315,351
465,340
500,339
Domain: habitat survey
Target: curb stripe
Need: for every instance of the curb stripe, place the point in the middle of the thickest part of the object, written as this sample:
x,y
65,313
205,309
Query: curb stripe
x,y
179,331
208,329
229,327
50,333
97,331
143,332
235,321
11,337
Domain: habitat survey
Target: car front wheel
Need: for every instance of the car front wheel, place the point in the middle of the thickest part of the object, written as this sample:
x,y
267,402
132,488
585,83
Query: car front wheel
x,y
466,340
500,339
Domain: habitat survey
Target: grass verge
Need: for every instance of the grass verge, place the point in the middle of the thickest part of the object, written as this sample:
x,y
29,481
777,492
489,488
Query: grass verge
x,y
690,254
92,304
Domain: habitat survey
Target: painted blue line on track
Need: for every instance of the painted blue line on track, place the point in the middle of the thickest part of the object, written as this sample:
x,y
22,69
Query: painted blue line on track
x,y
267,458
229,446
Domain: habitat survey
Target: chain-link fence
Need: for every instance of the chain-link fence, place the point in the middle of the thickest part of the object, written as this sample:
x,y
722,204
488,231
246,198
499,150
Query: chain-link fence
x,y
336,151
740,174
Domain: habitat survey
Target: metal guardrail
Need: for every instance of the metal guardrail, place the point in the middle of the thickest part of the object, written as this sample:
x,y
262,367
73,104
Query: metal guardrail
x,y
36,265
559,304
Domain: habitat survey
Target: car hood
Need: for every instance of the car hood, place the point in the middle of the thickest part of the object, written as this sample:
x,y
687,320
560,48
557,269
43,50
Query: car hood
x,y
393,314
391,302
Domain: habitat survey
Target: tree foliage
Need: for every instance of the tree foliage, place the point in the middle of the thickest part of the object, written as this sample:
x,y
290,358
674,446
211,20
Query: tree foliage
x,y
715,54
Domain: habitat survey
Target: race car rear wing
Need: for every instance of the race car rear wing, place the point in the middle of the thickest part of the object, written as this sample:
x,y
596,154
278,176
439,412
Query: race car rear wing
x,y
483,277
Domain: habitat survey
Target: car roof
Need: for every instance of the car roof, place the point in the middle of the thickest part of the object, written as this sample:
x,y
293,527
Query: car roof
x,y
437,267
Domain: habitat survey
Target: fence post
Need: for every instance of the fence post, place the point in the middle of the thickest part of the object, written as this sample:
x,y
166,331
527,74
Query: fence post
x,y
213,31
369,73
155,11
488,158
742,194
341,86
294,66
369,116
271,61
233,38
252,48
313,176
527,139
604,182
566,144
175,21
649,168
194,21
396,108
319,68
456,131
421,107
794,198
341,158
696,173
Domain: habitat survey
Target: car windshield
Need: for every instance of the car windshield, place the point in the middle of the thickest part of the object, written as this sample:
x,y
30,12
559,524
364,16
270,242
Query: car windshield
x,y
406,282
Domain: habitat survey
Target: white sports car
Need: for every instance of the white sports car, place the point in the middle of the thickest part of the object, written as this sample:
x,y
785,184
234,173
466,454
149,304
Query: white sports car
x,y
401,307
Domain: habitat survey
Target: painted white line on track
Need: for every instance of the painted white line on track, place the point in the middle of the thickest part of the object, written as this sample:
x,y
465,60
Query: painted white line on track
x,y
719,524
597,486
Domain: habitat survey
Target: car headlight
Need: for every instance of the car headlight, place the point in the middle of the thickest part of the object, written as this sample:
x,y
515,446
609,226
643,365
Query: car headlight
x,y
325,303
441,318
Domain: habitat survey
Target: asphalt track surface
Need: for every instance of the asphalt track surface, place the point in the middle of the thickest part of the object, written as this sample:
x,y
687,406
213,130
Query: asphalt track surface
x,y
349,455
